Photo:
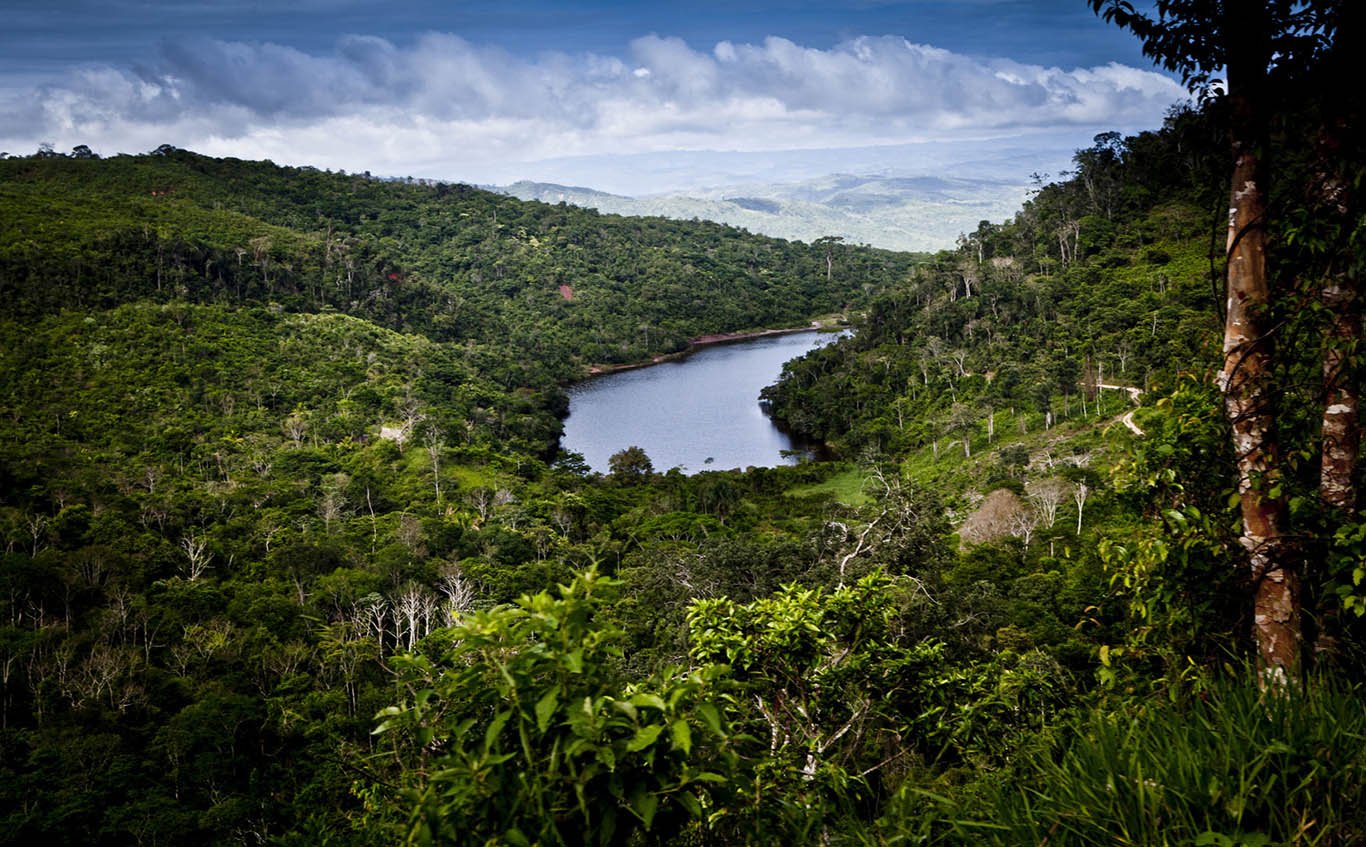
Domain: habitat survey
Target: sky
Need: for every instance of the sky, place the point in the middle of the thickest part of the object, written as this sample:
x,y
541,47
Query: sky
x,y
632,97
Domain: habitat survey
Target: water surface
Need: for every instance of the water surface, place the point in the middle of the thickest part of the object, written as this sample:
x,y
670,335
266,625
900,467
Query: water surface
x,y
697,413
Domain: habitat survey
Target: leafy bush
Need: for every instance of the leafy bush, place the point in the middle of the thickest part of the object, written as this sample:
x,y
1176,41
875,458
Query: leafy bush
x,y
521,729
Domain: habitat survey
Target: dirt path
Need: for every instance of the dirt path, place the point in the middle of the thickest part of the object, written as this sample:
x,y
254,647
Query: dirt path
x,y
1128,417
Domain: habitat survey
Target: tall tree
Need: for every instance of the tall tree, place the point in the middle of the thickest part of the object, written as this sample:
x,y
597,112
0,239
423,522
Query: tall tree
x,y
1335,198
1265,49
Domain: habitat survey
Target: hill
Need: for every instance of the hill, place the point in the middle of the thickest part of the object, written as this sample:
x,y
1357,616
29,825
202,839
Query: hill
x,y
291,555
895,213
265,428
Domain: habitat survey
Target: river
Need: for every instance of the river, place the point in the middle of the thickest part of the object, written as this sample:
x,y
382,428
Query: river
x,y
697,413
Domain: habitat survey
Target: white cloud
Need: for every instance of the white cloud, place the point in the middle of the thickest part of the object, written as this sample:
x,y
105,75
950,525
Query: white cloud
x,y
443,106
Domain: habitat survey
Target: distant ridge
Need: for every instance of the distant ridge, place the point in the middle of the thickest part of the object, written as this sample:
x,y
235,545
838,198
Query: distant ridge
x,y
912,213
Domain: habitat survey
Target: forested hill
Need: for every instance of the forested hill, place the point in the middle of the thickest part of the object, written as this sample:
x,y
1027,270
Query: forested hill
x,y
1103,277
1076,350
566,286
264,429
289,556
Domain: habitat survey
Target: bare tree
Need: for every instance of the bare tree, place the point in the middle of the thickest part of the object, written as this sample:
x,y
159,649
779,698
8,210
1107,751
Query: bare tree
x,y
457,591
993,518
414,610
435,445
331,507
481,499
410,415
1023,521
413,536
197,555
37,529
1047,495
1079,497
373,609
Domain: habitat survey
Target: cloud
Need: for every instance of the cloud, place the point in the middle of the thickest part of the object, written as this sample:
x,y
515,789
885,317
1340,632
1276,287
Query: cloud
x,y
441,102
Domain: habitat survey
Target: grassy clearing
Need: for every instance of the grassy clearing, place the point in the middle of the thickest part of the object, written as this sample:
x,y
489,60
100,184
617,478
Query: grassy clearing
x,y
846,488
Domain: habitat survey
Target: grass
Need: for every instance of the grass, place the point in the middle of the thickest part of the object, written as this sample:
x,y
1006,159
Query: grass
x,y
1230,766
846,487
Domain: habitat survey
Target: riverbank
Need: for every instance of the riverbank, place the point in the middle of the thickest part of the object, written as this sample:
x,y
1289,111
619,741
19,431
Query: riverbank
x,y
829,324
701,413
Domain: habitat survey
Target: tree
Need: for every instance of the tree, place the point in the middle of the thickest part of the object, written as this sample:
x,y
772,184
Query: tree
x,y
828,242
1334,196
1079,495
1047,495
197,555
1000,514
631,464
1266,49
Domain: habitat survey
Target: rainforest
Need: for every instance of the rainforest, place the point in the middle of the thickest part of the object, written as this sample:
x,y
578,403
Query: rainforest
x,y
293,553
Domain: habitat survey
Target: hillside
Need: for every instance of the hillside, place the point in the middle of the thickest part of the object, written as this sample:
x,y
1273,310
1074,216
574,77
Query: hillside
x,y
446,261
265,428
291,556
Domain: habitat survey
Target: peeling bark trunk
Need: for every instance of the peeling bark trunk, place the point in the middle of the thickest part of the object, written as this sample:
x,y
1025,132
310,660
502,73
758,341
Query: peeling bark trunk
x,y
1341,433
1249,403
1340,153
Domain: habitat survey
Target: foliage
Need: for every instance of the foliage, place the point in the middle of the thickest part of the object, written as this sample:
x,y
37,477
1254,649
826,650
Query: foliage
x,y
522,730
563,287
630,464
1016,329
1175,575
273,436
832,686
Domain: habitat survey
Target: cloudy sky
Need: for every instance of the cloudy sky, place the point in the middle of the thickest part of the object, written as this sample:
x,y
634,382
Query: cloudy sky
x,y
600,92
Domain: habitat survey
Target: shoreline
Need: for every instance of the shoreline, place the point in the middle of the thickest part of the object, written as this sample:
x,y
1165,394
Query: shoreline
x,y
707,340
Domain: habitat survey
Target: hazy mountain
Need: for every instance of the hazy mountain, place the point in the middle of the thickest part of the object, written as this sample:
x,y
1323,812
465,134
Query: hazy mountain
x,y
895,212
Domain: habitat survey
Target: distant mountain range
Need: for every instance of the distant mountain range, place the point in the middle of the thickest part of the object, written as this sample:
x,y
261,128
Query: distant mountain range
x,y
918,213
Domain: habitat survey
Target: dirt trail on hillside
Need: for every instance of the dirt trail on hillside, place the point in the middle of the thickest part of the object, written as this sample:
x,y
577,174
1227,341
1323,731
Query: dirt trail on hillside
x,y
1128,417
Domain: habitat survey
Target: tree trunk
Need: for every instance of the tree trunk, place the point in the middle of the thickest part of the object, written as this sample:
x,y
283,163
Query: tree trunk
x,y
1341,433
1340,152
1249,403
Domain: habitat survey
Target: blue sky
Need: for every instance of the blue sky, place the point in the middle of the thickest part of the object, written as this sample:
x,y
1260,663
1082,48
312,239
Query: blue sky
x,y
492,91
1057,32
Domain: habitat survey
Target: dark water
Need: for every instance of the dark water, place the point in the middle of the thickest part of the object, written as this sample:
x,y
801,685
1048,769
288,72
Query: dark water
x,y
698,413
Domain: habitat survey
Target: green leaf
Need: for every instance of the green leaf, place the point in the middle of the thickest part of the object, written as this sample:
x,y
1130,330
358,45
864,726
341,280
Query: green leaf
x,y
644,737
711,717
689,802
607,757
651,700
625,708
573,661
645,804
495,728
545,708
681,735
